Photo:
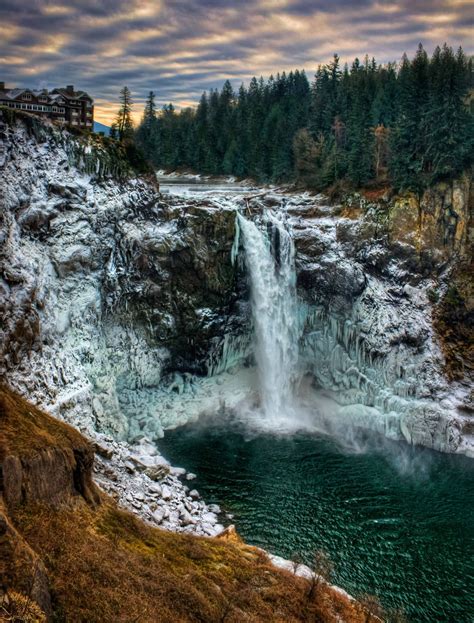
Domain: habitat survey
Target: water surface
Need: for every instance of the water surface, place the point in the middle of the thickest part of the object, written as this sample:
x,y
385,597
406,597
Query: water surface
x,y
396,521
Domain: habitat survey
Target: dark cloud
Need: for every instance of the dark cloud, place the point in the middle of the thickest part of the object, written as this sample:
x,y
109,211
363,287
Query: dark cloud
x,y
181,47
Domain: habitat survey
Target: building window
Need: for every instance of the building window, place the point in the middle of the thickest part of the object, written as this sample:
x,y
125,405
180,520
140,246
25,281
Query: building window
x,y
26,96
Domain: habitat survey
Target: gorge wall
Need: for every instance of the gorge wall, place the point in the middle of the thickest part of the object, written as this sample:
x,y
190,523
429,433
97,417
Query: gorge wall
x,y
105,287
126,311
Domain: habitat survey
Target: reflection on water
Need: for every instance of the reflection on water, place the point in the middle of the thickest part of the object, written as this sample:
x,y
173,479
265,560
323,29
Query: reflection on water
x,y
397,521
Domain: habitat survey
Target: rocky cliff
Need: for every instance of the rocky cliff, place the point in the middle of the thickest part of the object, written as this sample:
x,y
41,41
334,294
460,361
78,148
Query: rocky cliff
x,y
106,288
126,311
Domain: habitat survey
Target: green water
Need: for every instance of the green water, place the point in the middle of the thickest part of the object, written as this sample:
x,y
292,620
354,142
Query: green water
x,y
396,521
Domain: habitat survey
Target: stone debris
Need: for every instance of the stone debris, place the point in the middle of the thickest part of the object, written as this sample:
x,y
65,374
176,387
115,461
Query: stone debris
x,y
166,503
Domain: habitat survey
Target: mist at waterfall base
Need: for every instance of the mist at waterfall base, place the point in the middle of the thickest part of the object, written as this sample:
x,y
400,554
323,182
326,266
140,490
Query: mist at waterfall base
x,y
299,475
284,401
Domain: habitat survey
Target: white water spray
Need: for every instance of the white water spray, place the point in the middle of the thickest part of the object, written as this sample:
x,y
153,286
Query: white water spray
x,y
270,260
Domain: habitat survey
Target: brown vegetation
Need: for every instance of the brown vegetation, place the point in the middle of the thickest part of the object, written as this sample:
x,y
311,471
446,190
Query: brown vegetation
x,y
453,320
101,564
106,565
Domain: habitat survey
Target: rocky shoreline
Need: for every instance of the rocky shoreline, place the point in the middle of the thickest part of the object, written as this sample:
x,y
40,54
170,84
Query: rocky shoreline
x,y
141,480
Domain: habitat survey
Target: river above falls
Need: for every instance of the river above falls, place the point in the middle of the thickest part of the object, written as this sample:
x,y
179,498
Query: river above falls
x,y
397,521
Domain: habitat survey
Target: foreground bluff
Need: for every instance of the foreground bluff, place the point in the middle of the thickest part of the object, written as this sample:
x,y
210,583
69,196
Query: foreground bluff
x,y
105,287
56,524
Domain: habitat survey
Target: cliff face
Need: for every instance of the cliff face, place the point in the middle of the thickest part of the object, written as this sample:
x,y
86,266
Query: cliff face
x,y
395,263
432,237
127,312
42,459
439,224
105,287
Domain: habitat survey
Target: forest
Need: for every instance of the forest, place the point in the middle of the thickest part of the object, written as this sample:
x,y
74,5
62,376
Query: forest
x,y
407,124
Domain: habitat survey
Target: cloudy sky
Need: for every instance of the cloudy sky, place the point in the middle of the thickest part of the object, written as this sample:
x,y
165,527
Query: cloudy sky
x,y
179,48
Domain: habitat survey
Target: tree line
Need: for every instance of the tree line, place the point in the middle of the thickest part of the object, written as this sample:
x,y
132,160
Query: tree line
x,y
408,124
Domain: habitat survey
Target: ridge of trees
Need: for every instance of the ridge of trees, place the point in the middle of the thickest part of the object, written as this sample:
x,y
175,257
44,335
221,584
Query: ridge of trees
x,y
408,124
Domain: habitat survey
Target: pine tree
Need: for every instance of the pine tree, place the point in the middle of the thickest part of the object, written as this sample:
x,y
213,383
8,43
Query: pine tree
x,y
404,164
124,122
307,154
148,134
448,124
358,126
409,142
149,114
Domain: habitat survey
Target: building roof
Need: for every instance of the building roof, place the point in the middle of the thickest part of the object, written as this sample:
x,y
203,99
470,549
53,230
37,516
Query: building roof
x,y
53,96
14,93
74,95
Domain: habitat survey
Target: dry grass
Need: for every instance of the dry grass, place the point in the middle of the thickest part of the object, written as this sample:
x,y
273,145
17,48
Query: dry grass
x,y
25,430
19,608
107,566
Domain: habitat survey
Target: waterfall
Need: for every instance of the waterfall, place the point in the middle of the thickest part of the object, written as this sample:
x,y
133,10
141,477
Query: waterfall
x,y
270,261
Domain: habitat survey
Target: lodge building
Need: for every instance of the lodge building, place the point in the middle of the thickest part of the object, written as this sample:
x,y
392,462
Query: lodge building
x,y
64,105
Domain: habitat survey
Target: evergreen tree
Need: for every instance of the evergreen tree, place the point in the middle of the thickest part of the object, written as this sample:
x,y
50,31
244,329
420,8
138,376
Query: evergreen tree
x,y
148,132
149,114
123,121
448,125
408,125
360,136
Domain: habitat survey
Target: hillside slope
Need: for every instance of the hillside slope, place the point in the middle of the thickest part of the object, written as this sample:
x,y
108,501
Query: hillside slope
x,y
67,553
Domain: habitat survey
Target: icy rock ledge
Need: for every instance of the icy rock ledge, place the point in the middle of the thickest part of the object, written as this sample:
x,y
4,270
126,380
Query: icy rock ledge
x,y
141,480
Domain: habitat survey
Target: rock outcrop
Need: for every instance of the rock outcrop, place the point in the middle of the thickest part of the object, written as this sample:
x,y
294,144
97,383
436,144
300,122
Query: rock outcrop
x,y
126,312
41,460
106,288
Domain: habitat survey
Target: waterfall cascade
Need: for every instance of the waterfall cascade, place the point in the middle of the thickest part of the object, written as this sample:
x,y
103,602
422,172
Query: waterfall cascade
x,y
270,260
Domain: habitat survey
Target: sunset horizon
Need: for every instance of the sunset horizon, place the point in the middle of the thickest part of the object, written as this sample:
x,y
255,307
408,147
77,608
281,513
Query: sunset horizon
x,y
178,50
